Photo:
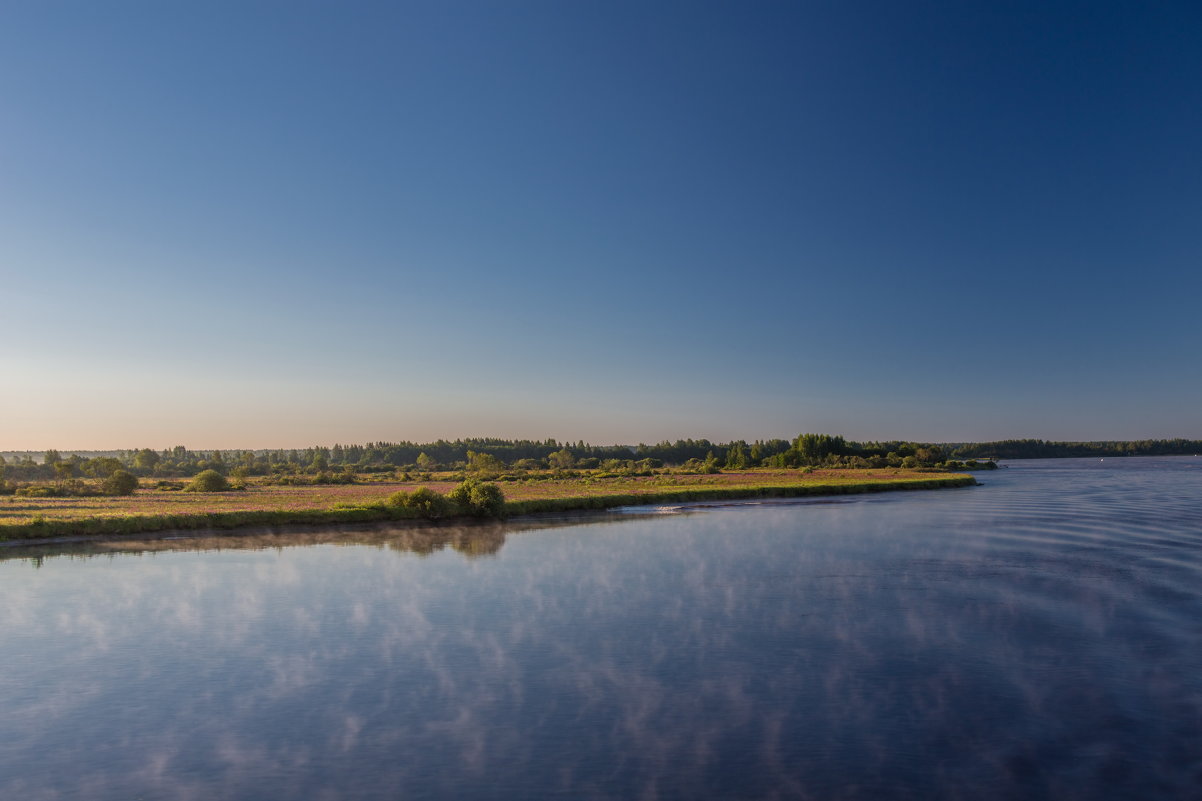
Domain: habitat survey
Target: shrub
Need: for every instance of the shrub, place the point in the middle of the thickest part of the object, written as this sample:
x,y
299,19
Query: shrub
x,y
120,482
477,498
425,501
208,481
38,492
487,500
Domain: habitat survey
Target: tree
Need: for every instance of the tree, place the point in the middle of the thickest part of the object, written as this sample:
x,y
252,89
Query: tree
x,y
527,464
929,454
561,459
208,481
478,498
425,463
484,463
736,459
813,448
52,457
102,466
146,459
120,482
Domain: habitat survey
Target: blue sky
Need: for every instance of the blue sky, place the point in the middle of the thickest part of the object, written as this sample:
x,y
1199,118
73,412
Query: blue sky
x,y
278,224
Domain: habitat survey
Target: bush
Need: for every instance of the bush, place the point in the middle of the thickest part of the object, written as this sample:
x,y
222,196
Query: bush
x,y
477,498
208,481
38,492
120,482
707,466
423,500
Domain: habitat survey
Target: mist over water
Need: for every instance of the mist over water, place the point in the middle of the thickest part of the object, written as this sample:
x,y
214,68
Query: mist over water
x,y
1036,637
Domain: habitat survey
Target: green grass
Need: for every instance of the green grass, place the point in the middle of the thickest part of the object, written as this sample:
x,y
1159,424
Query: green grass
x,y
151,511
690,494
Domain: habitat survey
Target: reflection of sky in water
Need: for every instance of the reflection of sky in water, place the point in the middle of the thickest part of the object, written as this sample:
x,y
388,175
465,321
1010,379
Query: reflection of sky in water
x,y
1033,638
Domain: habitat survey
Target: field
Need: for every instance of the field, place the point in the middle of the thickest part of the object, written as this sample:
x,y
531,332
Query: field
x,y
263,504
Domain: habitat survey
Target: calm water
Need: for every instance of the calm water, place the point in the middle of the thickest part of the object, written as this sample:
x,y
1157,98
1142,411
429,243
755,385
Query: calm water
x,y
1037,637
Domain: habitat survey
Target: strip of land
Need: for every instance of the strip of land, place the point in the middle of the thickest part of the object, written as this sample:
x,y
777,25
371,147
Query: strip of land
x,y
151,510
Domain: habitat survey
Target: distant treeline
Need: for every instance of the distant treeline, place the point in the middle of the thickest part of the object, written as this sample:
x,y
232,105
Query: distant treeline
x,y
495,455
483,455
1041,449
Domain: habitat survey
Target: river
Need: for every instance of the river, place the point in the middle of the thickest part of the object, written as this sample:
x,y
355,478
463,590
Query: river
x,y
1037,637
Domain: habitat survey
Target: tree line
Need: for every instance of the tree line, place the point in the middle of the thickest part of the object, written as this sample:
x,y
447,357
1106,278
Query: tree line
x,y
1042,449
492,455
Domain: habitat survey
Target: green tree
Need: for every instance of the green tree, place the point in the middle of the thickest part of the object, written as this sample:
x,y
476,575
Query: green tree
x,y
736,458
813,448
527,464
484,463
208,481
120,482
475,497
146,459
561,459
929,454
102,466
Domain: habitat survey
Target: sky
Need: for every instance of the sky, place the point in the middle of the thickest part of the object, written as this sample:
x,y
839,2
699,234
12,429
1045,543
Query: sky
x,y
278,224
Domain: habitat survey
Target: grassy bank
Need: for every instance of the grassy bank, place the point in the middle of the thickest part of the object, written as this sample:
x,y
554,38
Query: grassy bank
x,y
719,493
148,510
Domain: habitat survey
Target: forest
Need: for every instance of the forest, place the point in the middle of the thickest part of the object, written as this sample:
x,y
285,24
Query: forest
x,y
340,463
1041,449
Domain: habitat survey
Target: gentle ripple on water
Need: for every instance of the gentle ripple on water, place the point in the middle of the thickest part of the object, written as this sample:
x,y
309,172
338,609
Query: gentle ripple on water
x,y
1037,637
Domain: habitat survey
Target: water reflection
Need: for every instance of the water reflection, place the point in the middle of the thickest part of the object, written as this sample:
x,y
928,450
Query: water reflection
x,y
986,643
469,538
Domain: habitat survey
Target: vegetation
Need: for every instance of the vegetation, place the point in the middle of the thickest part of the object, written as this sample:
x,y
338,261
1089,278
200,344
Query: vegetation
x,y
423,502
56,493
492,459
145,490
121,482
208,481
478,499
441,496
1039,449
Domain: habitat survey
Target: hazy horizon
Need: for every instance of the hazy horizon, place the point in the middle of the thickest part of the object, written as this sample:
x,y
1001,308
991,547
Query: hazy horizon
x,y
564,441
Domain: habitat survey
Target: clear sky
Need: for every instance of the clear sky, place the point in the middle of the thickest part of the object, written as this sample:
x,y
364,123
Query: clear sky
x,y
255,224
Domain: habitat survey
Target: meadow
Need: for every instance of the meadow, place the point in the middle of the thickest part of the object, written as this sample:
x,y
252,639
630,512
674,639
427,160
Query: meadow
x,y
258,504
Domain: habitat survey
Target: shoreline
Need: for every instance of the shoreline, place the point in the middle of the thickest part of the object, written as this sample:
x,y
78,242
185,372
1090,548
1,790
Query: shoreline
x,y
240,523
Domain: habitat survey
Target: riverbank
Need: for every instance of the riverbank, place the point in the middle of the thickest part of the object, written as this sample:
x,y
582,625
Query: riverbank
x,y
149,511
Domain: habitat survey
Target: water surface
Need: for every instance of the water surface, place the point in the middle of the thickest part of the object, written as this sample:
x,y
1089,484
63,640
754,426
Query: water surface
x,y
1036,637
